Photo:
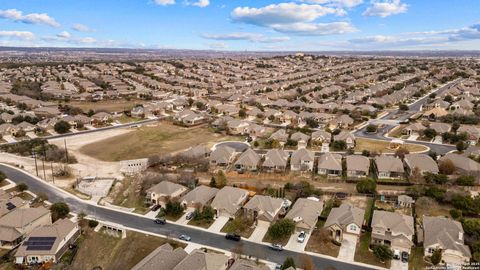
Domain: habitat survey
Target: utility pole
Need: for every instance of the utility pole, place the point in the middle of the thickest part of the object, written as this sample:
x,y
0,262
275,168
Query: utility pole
x,y
53,177
66,151
35,157
43,164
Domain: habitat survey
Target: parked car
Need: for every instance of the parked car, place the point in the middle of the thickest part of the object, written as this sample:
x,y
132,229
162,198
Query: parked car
x,y
155,207
396,254
278,267
161,221
189,215
404,257
301,237
233,236
185,237
276,247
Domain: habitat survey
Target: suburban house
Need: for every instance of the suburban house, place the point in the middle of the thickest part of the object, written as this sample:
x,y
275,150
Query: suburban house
x,y
300,138
305,213
415,129
357,166
321,137
20,222
8,203
463,165
448,236
48,242
164,255
347,137
275,160
280,135
421,162
330,164
237,127
389,167
164,191
201,260
222,156
405,201
248,161
264,208
392,229
346,219
302,160
229,200
242,264
101,117
199,196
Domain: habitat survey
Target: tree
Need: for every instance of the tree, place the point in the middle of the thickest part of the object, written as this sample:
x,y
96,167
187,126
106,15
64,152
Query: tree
x,y
242,113
22,187
446,166
436,256
61,127
465,180
289,262
401,152
221,179
339,145
448,98
403,107
371,128
367,186
281,228
430,133
438,179
213,183
59,210
2,176
383,253
461,145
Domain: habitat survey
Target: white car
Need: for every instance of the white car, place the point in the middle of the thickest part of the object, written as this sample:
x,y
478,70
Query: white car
x,y
301,237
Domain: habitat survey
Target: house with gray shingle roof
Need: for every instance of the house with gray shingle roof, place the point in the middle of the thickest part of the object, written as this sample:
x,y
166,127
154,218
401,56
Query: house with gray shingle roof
x,y
222,156
264,208
388,167
302,160
199,196
345,219
392,229
357,166
448,236
200,260
164,255
305,213
229,200
248,161
422,162
164,191
275,160
463,165
347,137
330,164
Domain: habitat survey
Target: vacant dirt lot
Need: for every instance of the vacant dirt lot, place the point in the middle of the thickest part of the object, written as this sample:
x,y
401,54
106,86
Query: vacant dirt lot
x,y
382,146
105,105
122,253
150,140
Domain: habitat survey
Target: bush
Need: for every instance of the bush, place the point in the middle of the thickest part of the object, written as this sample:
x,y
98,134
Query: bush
x,y
446,166
206,214
92,223
439,179
367,186
465,180
455,213
436,193
339,145
436,256
281,228
62,127
430,133
371,128
173,209
461,145
383,253
59,210
289,262
403,107
2,176
22,187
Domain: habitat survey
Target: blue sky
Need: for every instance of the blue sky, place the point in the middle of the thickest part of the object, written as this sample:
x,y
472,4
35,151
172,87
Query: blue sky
x,y
296,25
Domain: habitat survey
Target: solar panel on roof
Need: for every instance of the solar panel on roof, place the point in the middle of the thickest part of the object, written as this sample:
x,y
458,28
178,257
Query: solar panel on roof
x,y
39,243
10,206
39,247
42,238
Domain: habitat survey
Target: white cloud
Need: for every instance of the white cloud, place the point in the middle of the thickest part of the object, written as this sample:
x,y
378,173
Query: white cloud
x,y
32,18
217,45
64,34
23,35
282,13
164,2
201,3
87,40
336,3
317,29
386,8
81,27
253,37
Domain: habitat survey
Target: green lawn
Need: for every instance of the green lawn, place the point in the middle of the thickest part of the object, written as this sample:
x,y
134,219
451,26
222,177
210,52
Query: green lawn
x,y
369,210
240,225
204,223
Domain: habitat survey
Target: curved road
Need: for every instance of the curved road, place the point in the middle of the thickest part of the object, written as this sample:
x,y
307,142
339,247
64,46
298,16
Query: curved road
x,y
138,222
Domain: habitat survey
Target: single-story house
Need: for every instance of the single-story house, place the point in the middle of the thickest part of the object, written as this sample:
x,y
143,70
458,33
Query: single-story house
x,y
330,164
164,191
305,213
345,219
199,196
357,166
229,200
264,208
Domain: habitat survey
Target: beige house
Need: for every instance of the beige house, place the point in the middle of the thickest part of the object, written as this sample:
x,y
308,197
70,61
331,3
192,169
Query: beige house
x,y
200,260
305,213
389,167
20,222
448,236
357,166
346,219
164,255
229,200
164,191
263,208
392,229
48,242
200,196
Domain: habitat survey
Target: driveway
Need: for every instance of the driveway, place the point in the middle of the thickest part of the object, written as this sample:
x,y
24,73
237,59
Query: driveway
x,y
183,219
347,250
9,138
438,139
260,231
413,137
398,265
293,244
218,224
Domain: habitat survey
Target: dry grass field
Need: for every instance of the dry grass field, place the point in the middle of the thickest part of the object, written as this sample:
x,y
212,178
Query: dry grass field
x,y
382,146
150,140
104,105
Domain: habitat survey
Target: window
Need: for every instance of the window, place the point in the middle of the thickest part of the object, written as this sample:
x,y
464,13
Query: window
x,y
353,227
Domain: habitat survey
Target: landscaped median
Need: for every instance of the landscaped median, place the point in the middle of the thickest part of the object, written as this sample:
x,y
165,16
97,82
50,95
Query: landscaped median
x,y
380,146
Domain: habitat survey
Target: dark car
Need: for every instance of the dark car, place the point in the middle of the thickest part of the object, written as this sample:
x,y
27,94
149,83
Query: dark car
x,y
404,257
161,221
155,207
233,236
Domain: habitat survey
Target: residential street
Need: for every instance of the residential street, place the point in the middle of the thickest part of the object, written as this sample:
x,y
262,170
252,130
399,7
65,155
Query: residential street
x,y
138,222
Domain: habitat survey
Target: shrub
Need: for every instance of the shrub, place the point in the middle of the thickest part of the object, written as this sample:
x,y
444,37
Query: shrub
x,y
465,180
439,179
62,127
59,210
173,208
22,187
383,253
92,223
455,213
367,186
339,145
289,262
2,176
436,256
371,128
446,166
